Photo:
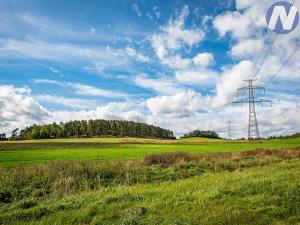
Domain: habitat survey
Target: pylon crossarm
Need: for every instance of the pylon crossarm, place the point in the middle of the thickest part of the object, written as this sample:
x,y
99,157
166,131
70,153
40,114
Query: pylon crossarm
x,y
242,101
262,101
256,87
243,88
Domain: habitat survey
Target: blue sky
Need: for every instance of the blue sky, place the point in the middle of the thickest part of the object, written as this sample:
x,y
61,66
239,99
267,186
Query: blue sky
x,y
176,64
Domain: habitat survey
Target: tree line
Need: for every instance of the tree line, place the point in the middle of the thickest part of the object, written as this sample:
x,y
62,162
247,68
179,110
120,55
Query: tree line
x,y
3,137
94,128
296,135
201,133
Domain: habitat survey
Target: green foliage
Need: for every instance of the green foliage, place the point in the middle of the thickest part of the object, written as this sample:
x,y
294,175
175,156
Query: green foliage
x,y
267,193
199,133
94,128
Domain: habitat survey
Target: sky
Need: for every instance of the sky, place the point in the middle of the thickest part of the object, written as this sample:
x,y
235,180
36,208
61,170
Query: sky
x,y
175,64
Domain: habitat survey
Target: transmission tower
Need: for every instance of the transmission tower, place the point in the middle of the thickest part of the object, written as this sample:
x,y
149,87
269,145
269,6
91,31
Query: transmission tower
x,y
228,130
253,130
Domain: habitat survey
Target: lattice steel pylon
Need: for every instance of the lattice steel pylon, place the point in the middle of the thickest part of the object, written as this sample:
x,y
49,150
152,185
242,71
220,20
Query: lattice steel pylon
x,y
253,130
229,130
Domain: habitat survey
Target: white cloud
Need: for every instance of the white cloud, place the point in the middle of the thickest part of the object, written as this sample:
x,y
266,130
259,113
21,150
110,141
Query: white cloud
x,y
180,112
176,62
247,48
83,89
161,85
48,81
122,111
19,109
80,55
132,53
198,76
175,107
183,104
72,103
203,59
231,79
234,23
173,37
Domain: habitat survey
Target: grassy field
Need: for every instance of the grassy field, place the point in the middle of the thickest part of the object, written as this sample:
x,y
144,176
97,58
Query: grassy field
x,y
37,151
130,181
254,187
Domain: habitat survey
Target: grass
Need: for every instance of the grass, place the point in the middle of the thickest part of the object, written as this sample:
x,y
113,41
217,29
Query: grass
x,y
111,149
119,140
252,187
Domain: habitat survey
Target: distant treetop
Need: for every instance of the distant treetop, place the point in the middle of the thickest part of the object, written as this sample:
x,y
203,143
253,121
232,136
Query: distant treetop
x,y
199,133
95,128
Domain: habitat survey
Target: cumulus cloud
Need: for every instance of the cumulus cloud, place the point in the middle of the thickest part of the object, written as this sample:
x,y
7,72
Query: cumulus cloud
x,y
129,110
231,79
173,37
247,48
203,59
183,104
182,112
19,109
247,29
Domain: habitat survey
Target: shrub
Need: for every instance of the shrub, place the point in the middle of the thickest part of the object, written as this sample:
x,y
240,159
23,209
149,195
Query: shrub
x,y
5,196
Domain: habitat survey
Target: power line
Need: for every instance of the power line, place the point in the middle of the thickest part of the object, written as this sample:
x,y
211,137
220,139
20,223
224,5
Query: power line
x,y
264,58
257,71
253,130
282,66
53,70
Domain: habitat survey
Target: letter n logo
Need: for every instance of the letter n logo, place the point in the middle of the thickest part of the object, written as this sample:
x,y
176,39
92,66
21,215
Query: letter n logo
x,y
282,17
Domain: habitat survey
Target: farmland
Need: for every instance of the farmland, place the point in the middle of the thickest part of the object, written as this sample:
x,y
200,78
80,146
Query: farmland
x,y
149,181
37,151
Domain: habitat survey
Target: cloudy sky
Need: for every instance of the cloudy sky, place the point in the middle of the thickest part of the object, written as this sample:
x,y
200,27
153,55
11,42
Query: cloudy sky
x,y
176,64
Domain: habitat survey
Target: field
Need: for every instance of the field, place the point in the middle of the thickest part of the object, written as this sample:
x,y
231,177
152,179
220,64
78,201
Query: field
x,y
145,181
13,153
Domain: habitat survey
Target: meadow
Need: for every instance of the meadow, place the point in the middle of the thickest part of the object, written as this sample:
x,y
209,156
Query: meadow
x,y
150,181
37,151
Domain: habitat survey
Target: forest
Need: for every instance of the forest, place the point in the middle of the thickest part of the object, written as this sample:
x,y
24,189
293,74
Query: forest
x,y
200,133
93,128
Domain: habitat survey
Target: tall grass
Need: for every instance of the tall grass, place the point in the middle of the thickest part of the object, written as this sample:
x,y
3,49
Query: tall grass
x,y
62,178
267,195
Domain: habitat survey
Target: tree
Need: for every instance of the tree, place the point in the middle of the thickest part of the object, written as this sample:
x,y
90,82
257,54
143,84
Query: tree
x,y
95,128
2,137
199,133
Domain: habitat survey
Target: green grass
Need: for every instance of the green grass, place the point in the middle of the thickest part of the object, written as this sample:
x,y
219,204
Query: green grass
x,y
13,153
120,140
257,196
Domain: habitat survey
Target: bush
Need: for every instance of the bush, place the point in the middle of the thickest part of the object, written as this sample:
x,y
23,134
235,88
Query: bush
x,y
26,204
199,133
5,196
